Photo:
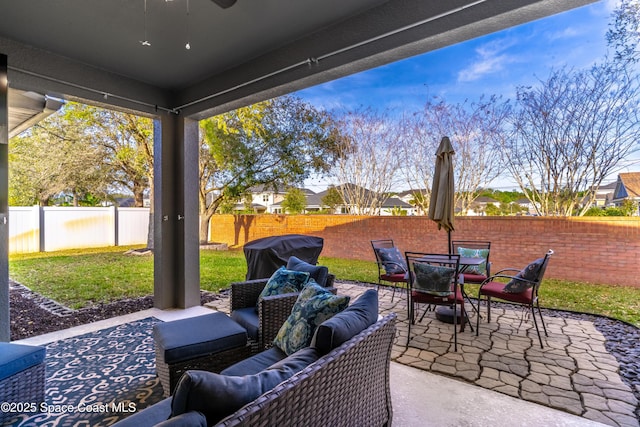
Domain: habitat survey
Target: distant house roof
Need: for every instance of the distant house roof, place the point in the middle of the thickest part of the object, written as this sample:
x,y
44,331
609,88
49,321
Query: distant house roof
x,y
276,188
394,202
522,201
485,200
412,192
254,206
627,186
315,200
606,188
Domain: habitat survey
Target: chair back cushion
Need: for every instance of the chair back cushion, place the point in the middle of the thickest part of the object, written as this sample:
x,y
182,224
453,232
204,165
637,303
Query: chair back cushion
x,y
530,273
217,396
314,305
392,260
348,323
319,273
433,279
284,281
480,269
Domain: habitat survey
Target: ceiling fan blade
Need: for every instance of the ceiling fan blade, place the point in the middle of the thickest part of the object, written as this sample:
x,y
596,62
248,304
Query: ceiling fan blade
x,y
225,3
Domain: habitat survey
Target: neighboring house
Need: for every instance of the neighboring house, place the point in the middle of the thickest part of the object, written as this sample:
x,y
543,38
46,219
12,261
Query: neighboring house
x,y
526,205
314,204
387,207
479,206
603,194
627,188
392,205
409,196
124,202
268,199
255,207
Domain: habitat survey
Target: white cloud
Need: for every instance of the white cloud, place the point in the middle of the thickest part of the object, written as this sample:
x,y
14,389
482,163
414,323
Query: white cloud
x,y
567,33
483,67
491,58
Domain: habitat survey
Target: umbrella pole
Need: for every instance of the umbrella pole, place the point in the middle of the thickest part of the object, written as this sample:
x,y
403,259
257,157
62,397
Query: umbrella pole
x,y
450,249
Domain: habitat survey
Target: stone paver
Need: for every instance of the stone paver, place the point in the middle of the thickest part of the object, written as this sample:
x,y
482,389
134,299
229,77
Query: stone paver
x,y
573,372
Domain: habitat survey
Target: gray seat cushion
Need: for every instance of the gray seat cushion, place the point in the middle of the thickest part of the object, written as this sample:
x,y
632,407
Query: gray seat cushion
x,y
150,416
186,339
16,358
248,319
256,363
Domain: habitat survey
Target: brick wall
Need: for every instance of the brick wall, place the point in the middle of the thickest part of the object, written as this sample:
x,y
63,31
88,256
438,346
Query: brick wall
x,y
597,250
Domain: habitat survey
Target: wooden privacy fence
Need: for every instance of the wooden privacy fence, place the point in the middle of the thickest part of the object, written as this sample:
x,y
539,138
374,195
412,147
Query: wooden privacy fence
x,y
587,249
45,229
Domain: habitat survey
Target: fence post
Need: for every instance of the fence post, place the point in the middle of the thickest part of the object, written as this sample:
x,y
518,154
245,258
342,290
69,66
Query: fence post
x,y
116,231
40,218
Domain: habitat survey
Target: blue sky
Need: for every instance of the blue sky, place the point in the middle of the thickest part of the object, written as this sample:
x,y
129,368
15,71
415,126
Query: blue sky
x,y
494,64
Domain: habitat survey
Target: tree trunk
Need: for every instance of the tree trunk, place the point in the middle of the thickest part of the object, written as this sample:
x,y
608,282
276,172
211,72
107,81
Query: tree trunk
x,y
150,234
138,196
204,226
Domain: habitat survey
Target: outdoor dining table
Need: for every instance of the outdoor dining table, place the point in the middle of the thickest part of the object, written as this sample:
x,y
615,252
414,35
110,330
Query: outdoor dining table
x,y
444,313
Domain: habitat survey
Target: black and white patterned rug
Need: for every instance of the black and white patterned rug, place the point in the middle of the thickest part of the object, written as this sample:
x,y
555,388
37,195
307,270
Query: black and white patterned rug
x,y
98,378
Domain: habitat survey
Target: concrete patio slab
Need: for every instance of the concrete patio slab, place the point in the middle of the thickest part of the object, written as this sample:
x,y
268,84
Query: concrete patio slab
x,y
423,399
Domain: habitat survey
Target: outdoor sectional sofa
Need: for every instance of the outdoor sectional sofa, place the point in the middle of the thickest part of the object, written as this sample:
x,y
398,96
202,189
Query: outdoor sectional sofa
x,y
341,379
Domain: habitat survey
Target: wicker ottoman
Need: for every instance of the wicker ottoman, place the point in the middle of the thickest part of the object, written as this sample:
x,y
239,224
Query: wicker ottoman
x,y
211,342
22,370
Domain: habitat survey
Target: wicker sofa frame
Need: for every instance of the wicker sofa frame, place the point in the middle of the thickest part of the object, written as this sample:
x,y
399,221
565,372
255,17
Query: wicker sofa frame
x,y
349,386
23,387
169,374
272,311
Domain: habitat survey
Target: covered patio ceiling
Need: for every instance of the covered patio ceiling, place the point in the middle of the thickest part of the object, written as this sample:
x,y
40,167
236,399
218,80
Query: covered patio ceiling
x,y
253,50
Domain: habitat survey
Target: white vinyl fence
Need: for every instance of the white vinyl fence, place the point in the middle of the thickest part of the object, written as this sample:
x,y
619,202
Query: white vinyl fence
x,y
45,229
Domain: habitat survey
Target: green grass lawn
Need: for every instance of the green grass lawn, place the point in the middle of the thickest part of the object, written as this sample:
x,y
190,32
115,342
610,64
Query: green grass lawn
x,y
79,278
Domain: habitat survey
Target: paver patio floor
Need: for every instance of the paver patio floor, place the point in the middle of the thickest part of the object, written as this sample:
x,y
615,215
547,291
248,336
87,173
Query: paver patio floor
x,y
573,372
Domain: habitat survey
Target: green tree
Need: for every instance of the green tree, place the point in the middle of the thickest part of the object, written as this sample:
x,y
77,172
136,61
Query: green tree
x,y
398,211
276,142
420,201
127,143
629,208
55,157
332,199
594,211
295,201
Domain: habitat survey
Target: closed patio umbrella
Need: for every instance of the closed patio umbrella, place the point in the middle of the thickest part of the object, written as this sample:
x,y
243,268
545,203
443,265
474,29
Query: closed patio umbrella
x,y
442,191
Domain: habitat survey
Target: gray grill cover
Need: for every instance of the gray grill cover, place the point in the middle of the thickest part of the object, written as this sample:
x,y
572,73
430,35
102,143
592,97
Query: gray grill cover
x,y
264,256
